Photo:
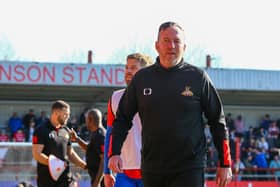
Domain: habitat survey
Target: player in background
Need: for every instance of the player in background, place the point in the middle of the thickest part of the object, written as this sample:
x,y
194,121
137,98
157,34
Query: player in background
x,y
130,152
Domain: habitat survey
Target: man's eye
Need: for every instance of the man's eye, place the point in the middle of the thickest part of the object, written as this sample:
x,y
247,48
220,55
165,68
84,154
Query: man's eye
x,y
166,40
177,41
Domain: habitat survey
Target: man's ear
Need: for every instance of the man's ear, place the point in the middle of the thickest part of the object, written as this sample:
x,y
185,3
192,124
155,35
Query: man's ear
x,y
185,47
157,46
56,112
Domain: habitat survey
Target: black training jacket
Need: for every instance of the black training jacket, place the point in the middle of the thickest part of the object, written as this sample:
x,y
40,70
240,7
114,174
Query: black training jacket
x,y
171,104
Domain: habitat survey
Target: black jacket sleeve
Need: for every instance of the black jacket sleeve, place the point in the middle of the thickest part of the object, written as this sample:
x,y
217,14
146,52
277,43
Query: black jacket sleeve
x,y
127,108
214,113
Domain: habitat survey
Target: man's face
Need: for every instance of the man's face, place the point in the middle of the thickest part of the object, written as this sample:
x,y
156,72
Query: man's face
x,y
63,116
170,46
131,67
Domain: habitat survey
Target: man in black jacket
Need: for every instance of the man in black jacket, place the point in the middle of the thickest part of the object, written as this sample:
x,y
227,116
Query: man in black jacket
x,y
95,147
172,97
53,139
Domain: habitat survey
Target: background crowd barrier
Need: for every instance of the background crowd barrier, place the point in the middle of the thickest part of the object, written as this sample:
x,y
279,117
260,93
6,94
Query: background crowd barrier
x,y
17,164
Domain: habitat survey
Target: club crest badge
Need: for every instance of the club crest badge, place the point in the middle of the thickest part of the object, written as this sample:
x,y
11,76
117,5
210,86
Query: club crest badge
x,y
187,91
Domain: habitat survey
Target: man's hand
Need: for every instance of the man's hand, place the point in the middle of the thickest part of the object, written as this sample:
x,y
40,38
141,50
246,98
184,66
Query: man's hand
x,y
115,164
74,135
109,180
223,177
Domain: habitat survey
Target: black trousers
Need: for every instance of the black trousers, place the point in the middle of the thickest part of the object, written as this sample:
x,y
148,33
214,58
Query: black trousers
x,y
189,178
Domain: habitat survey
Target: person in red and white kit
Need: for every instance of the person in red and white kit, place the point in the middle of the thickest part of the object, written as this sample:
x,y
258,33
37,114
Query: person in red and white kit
x,y
130,152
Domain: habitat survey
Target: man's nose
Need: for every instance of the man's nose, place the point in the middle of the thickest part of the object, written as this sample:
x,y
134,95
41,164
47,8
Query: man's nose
x,y
129,70
171,44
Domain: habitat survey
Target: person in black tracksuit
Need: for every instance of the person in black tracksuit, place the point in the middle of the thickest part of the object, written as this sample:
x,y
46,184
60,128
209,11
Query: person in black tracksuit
x,y
171,98
53,137
95,147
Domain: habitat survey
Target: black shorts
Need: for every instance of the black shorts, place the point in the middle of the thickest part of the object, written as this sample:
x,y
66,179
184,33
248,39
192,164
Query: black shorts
x,y
189,178
92,174
65,180
60,183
